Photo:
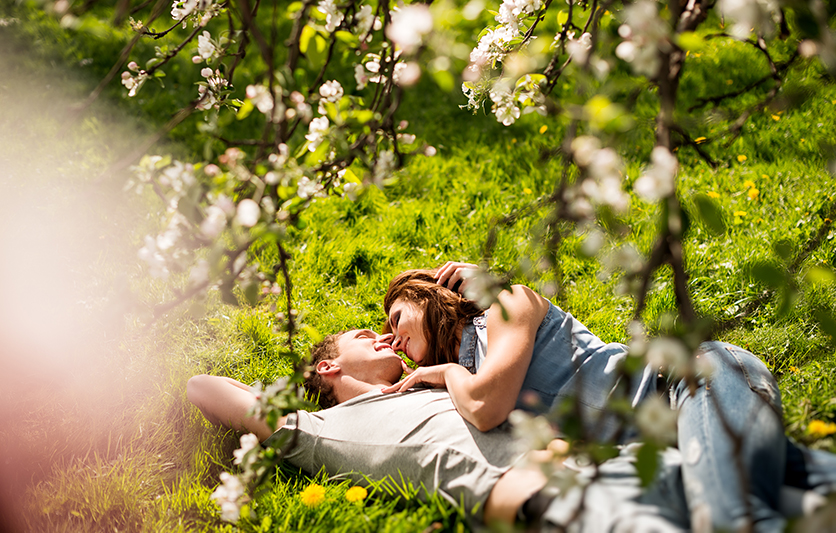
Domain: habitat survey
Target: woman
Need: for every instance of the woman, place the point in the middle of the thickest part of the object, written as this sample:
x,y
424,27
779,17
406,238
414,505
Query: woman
x,y
525,352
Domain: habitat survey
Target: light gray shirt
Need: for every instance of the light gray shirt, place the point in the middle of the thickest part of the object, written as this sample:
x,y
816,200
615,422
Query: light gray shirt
x,y
416,436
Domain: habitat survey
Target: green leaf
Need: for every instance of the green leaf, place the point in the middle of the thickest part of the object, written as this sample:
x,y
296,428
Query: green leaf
x,y
444,80
783,247
348,38
304,40
820,275
826,322
647,461
245,110
710,214
562,17
691,41
768,274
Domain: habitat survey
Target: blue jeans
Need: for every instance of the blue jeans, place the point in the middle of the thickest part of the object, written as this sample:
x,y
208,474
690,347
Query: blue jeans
x,y
735,456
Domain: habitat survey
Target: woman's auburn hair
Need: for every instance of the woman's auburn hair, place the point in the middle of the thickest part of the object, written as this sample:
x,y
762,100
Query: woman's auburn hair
x,y
445,312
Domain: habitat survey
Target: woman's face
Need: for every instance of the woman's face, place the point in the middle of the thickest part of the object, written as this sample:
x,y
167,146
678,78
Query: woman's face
x,y
406,319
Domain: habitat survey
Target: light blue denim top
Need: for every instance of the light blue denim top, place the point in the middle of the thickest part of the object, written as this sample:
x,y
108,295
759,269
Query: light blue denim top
x,y
568,362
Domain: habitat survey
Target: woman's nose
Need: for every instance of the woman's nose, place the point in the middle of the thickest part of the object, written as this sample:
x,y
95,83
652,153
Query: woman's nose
x,y
396,343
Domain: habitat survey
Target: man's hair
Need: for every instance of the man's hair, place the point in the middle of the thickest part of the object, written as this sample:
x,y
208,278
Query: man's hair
x,y
445,312
315,386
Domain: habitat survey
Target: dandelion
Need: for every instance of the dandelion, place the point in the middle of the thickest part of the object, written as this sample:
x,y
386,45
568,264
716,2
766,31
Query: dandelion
x,y
712,194
794,369
356,494
753,193
313,495
741,158
700,140
776,117
819,429
748,184
740,213
543,129
526,190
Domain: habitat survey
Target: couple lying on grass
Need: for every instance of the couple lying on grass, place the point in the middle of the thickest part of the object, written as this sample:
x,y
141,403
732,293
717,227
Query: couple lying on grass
x,y
732,467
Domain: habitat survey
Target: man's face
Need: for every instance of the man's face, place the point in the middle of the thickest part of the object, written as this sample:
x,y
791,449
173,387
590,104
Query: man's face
x,y
369,357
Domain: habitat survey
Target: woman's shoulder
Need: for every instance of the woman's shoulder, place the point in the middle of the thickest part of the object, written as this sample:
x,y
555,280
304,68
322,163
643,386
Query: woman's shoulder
x,y
521,302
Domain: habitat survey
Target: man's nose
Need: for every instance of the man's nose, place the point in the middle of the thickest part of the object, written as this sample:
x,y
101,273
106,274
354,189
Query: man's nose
x,y
388,338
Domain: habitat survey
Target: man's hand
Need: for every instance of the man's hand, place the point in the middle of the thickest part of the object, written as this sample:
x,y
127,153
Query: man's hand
x,y
451,275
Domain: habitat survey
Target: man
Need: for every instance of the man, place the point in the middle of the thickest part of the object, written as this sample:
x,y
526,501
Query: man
x,y
419,436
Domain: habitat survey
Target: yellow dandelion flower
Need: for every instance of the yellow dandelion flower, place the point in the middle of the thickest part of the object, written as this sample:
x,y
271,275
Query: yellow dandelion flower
x,y
729,82
748,184
712,194
514,141
764,176
526,190
740,213
818,429
776,117
313,495
803,140
697,55
356,494
741,158
543,129
700,140
794,369
753,193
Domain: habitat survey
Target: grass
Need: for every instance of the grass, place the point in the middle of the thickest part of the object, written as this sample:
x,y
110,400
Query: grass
x,y
104,435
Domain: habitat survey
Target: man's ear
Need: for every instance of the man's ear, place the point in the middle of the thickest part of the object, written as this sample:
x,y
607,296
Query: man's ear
x,y
327,367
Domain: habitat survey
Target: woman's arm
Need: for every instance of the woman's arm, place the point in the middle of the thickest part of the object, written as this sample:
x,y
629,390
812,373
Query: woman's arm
x,y
224,401
485,399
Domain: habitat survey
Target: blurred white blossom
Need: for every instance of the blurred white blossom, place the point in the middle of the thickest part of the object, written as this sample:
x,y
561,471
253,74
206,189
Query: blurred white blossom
x,y
504,104
667,353
644,34
248,213
658,181
578,49
229,497
384,166
409,26
366,21
532,432
214,222
749,15
656,420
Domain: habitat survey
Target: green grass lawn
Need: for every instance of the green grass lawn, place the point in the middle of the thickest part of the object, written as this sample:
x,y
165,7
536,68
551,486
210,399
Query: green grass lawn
x,y
102,435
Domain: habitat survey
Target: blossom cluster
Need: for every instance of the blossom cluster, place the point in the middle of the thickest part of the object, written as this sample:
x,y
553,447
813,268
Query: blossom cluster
x,y
602,181
644,34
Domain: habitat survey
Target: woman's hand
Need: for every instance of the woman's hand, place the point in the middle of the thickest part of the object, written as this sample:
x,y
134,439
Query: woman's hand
x,y
427,375
451,275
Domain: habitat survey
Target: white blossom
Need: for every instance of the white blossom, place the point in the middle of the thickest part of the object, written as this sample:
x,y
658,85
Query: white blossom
x,y
645,34
229,497
152,256
331,91
333,15
532,432
384,167
205,48
748,15
248,213
667,353
249,442
351,190
261,98
409,26
307,188
504,104
366,21
316,132
578,49
656,420
214,223
481,287
658,181
133,84
360,76
584,149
